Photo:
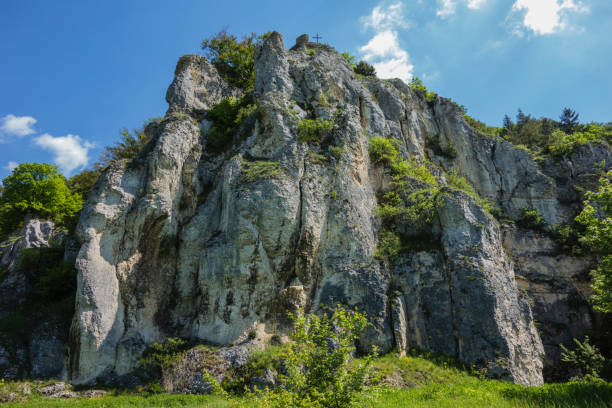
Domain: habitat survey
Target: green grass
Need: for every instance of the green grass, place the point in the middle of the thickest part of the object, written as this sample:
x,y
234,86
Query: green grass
x,y
419,381
159,400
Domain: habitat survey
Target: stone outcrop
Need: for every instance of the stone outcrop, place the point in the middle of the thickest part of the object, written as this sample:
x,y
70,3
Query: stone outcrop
x,y
37,349
182,242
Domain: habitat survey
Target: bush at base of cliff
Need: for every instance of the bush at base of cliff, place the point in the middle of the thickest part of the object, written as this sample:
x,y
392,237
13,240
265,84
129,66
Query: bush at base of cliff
x,y
587,358
317,365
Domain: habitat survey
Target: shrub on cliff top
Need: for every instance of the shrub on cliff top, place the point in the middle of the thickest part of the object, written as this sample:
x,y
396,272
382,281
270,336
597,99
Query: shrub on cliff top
x,y
233,59
365,69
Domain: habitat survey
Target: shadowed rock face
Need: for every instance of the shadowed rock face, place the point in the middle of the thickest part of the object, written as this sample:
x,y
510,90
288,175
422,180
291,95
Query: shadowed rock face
x,y
181,243
37,349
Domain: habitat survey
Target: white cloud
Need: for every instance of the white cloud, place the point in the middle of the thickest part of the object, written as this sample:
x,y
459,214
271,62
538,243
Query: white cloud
x,y
385,54
384,18
19,126
70,151
383,50
447,8
545,16
475,4
10,166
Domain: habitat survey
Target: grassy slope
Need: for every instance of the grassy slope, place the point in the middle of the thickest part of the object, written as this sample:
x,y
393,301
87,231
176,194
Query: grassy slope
x,y
430,382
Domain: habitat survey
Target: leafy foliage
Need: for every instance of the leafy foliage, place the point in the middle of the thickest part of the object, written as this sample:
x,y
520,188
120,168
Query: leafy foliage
x,y
318,365
596,216
349,59
531,218
233,59
455,180
365,69
128,147
563,144
412,198
54,277
481,127
547,136
160,355
416,84
37,189
314,130
260,169
229,117
83,182
586,357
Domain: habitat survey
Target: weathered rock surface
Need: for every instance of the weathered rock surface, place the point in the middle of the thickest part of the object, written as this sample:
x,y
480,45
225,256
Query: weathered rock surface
x,y
34,344
181,243
16,285
557,286
185,375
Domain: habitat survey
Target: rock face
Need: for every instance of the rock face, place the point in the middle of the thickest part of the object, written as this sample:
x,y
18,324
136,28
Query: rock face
x,y
34,342
557,286
185,242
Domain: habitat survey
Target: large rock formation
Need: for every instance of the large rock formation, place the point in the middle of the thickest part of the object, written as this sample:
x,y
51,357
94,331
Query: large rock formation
x,y
194,242
33,330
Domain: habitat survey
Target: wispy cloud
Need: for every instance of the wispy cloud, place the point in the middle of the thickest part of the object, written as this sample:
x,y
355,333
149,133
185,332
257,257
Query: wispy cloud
x,y
447,8
70,152
10,166
475,4
383,18
20,126
543,17
383,50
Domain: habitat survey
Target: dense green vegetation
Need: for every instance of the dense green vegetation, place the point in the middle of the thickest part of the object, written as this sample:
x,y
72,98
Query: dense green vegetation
x,y
362,68
259,169
230,117
597,218
412,199
37,190
233,59
546,136
317,368
314,130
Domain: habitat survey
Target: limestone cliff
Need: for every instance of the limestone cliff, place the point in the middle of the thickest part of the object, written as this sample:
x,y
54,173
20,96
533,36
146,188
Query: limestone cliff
x,y
184,241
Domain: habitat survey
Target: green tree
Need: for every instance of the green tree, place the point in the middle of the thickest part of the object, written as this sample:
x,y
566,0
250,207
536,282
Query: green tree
x,y
365,69
569,120
130,144
233,59
39,190
83,182
417,84
597,218
586,357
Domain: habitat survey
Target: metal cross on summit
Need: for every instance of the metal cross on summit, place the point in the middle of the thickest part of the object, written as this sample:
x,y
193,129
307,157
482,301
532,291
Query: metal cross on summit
x,y
316,37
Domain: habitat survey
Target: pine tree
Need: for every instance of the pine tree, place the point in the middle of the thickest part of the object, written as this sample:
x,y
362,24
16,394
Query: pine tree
x,y
569,120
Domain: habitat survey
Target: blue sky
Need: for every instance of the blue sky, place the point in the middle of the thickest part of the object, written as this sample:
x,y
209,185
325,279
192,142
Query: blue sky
x,y
73,73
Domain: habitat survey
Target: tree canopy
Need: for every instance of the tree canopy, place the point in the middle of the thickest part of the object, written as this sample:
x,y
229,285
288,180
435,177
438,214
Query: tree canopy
x,y
233,59
36,189
597,218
